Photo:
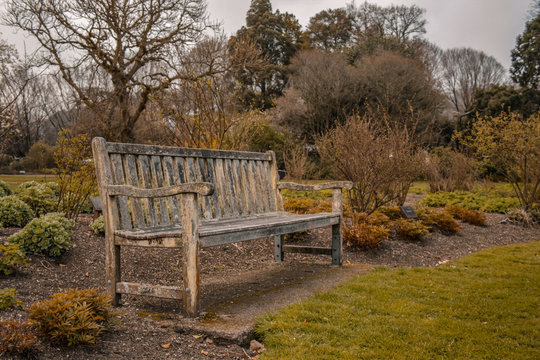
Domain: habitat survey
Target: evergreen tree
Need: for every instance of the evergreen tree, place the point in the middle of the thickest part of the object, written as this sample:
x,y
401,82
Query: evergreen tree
x,y
525,68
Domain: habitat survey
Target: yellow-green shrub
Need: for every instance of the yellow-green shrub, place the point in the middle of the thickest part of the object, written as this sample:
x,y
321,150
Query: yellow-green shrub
x,y
298,206
411,229
8,299
473,217
11,256
363,235
438,219
72,317
98,226
16,338
325,206
4,189
40,197
49,234
14,212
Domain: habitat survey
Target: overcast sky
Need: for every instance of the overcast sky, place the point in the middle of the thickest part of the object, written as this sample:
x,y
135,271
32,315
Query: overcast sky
x,y
488,25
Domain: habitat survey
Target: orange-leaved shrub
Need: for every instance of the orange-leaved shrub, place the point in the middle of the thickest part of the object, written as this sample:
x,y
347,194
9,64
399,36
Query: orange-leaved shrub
x,y
16,338
361,234
437,219
72,317
411,229
473,217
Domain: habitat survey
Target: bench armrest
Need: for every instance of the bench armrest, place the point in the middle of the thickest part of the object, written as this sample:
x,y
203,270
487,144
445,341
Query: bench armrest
x,y
347,185
202,188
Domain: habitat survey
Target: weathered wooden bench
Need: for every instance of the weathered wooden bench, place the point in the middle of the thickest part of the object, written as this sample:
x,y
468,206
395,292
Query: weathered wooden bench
x,y
158,196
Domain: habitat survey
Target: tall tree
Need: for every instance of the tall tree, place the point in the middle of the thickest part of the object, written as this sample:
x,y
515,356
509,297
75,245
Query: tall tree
x,y
463,71
136,45
525,68
277,36
330,29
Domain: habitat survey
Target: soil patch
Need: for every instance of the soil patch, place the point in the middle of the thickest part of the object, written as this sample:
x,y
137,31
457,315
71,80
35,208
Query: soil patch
x,y
229,271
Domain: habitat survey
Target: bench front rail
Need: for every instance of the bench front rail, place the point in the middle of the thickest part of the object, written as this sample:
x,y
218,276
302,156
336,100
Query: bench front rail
x,y
157,196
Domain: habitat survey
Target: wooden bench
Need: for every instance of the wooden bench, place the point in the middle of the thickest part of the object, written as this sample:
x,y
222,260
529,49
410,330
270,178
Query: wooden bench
x,y
158,196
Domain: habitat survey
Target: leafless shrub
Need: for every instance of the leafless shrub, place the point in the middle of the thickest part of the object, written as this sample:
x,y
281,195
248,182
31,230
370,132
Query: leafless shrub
x,y
448,170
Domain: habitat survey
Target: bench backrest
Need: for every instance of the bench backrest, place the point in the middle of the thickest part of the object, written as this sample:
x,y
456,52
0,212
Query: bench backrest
x,y
245,183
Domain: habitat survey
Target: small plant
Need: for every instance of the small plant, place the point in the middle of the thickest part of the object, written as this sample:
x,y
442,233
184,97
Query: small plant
x,y
473,217
411,229
325,206
363,235
8,299
16,338
98,226
438,219
393,212
14,212
49,234
73,317
4,189
299,206
40,197
11,256
523,217
378,218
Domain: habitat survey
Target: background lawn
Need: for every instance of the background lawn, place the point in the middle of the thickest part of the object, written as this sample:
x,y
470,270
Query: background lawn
x,y
484,306
14,180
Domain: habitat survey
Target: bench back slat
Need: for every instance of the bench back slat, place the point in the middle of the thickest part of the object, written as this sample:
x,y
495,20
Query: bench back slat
x,y
244,182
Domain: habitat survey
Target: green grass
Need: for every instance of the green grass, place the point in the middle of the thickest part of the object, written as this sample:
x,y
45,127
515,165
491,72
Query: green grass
x,y
484,306
14,180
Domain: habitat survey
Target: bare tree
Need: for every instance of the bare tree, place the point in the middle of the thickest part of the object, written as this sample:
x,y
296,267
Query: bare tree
x,y
463,70
136,44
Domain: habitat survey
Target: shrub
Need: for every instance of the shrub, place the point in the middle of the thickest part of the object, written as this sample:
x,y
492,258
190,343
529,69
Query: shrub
x,y
325,206
438,219
4,189
76,174
382,160
473,217
49,234
72,317
411,229
14,212
523,217
484,201
378,218
11,256
98,226
296,160
363,235
8,299
40,197
5,160
299,206
393,212
40,156
449,170
16,338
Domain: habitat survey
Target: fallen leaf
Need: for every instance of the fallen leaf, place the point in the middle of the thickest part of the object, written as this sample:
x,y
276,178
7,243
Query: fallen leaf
x,y
204,352
86,274
210,341
197,336
165,346
63,265
484,323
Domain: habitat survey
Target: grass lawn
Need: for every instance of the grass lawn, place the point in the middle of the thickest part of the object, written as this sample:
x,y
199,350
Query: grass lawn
x,y
484,306
14,180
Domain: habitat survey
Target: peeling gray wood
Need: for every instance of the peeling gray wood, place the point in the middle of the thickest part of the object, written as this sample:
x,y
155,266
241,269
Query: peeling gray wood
x,y
146,181
248,195
229,182
224,194
190,254
128,190
167,292
123,207
269,185
347,185
206,204
274,176
215,195
157,179
132,178
168,172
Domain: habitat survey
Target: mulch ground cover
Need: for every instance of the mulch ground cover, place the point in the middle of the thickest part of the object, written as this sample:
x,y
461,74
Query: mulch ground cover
x,y
226,272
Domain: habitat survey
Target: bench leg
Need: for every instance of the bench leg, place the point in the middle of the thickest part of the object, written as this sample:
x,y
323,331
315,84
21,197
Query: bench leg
x,y
337,244
112,268
190,263
278,248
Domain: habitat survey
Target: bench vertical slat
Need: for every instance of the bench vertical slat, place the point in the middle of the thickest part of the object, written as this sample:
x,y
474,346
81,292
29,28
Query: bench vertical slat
x,y
168,172
240,190
111,218
224,197
261,186
215,196
132,178
118,174
180,171
274,177
248,194
232,189
206,205
269,185
251,174
157,178
146,180
191,176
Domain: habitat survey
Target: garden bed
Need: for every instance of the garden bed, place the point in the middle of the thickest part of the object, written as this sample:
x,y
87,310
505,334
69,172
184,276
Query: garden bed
x,y
146,332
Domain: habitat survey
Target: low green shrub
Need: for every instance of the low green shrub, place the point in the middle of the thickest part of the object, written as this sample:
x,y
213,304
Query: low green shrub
x,y
40,197
4,189
72,317
8,299
14,212
16,338
98,226
411,229
484,201
49,234
11,256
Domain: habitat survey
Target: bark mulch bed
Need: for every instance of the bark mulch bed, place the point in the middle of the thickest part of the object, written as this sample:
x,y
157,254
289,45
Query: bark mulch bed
x,y
227,271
